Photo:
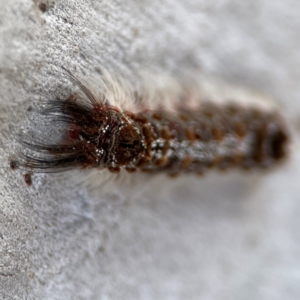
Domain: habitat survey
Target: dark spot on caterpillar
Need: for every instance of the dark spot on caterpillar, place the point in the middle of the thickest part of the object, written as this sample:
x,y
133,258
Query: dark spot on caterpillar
x,y
114,169
130,170
277,142
128,145
74,134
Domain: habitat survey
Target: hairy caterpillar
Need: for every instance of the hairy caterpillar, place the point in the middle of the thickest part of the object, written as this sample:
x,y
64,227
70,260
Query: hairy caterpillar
x,y
102,132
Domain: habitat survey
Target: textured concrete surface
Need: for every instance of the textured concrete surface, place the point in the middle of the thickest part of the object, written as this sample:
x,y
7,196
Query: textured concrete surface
x,y
218,237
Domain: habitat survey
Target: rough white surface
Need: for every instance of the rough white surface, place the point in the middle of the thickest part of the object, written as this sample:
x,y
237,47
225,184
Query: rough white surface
x,y
220,237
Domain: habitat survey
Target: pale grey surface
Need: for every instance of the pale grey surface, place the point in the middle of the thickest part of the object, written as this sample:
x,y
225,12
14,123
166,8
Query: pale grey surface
x,y
220,237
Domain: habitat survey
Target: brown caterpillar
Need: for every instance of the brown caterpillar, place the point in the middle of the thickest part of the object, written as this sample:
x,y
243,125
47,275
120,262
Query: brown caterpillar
x,y
185,139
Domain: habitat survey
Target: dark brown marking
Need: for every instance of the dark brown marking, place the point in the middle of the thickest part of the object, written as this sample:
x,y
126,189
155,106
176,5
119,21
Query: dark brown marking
x,y
240,129
157,115
218,133
148,135
161,162
42,7
186,162
114,169
128,145
190,134
73,134
28,179
165,133
130,170
143,161
14,164
141,118
278,143
166,147
183,117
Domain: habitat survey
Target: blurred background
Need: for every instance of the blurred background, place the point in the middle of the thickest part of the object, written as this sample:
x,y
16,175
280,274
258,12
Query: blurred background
x,y
223,236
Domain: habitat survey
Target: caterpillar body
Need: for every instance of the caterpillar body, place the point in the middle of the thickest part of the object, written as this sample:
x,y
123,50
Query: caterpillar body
x,y
100,133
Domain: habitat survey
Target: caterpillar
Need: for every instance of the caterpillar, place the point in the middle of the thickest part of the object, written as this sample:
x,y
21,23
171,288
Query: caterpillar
x,y
100,132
